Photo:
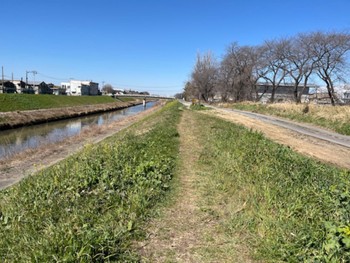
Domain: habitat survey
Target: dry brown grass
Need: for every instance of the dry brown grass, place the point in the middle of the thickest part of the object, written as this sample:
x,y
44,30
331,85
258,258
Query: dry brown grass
x,y
332,113
335,118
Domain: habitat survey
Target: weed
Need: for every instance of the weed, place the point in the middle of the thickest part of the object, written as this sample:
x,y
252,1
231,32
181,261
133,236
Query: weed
x,y
198,107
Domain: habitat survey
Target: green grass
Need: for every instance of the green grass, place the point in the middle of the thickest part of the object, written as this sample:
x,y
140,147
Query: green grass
x,y
18,102
89,208
323,116
282,206
198,107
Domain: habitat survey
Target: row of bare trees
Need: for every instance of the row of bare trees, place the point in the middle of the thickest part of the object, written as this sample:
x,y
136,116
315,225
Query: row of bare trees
x,y
287,60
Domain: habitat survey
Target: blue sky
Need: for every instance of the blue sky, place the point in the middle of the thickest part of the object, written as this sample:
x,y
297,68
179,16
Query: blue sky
x,y
145,45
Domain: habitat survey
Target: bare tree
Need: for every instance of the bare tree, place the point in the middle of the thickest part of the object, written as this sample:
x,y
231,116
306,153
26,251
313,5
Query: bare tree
x,y
301,63
329,52
108,89
259,71
227,73
236,72
247,80
190,92
204,76
296,59
276,64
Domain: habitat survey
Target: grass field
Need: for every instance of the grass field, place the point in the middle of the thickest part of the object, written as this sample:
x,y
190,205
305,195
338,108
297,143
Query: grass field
x,y
88,208
284,207
19,102
335,118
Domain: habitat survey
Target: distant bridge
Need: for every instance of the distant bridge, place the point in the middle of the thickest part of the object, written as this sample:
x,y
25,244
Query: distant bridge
x,y
143,96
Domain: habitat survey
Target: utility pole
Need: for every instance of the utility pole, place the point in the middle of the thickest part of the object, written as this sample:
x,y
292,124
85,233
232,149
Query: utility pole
x,y
2,82
33,72
26,79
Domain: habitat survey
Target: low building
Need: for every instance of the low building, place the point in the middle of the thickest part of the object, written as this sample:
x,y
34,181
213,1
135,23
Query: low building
x,y
80,88
20,86
16,86
58,90
7,87
346,97
119,91
43,88
284,92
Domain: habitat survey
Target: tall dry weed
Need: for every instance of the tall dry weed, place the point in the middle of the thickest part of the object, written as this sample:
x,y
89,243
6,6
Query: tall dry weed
x,y
331,113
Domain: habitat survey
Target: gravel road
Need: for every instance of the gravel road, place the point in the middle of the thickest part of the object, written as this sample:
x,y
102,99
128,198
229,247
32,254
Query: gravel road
x,y
301,128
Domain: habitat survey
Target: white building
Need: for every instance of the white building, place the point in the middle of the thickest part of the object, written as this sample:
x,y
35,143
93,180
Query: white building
x,y
80,88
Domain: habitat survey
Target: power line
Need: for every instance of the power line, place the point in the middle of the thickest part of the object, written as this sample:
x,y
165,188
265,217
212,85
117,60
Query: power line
x,y
50,77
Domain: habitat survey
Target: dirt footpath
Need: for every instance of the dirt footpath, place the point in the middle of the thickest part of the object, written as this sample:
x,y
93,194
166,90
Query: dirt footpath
x,y
316,148
176,235
187,230
17,167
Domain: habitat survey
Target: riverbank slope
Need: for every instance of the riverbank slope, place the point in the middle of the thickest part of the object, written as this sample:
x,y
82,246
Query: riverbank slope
x,y
16,167
15,119
21,102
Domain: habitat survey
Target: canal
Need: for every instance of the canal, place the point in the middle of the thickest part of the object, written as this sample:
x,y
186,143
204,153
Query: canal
x,y
17,140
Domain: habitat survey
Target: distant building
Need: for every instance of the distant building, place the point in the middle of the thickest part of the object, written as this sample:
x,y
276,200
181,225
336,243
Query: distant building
x,y
19,86
58,90
119,91
8,87
341,95
284,92
80,88
346,97
43,88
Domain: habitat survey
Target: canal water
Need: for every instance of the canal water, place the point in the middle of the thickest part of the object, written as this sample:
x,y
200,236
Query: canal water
x,y
16,140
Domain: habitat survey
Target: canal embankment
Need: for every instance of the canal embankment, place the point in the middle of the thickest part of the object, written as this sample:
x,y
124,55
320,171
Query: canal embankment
x,y
15,119
15,167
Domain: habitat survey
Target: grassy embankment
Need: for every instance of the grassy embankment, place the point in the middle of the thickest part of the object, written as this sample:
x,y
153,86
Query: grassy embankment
x,y
90,206
20,102
282,206
335,118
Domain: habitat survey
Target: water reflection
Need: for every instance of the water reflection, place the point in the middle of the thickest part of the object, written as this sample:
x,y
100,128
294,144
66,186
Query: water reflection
x,y
17,140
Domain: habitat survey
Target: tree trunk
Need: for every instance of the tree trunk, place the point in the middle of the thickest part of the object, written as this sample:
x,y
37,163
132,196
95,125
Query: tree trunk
x,y
295,93
330,93
273,92
304,87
